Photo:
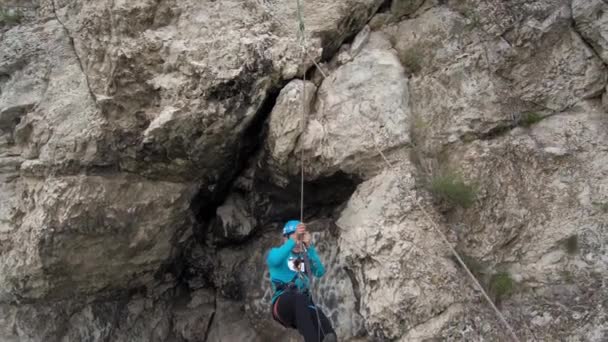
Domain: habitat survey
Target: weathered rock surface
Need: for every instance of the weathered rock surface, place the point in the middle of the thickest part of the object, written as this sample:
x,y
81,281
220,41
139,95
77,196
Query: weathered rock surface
x,y
591,19
470,79
69,224
119,319
35,105
285,125
540,163
402,267
544,207
405,7
362,106
56,230
187,79
234,220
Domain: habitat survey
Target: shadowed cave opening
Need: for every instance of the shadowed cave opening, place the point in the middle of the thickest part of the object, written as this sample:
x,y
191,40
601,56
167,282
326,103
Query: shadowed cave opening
x,y
195,264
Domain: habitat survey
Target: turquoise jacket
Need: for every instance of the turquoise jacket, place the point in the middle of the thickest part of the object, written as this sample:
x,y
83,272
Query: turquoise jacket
x,y
280,262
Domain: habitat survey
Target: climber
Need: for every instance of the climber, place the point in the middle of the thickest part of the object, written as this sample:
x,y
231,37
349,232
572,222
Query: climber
x,y
291,267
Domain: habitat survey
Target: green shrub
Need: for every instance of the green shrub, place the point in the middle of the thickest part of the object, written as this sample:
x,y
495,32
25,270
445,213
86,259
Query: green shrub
x,y
412,60
452,189
501,285
476,267
530,118
473,17
602,206
8,17
571,244
567,276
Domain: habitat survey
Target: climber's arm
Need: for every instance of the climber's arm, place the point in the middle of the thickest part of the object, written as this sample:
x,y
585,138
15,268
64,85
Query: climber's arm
x,y
280,254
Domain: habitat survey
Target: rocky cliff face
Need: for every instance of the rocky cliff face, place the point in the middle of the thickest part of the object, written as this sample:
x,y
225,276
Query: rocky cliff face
x,y
150,151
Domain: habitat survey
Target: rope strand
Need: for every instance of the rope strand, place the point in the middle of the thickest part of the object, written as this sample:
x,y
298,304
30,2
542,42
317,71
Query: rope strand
x,y
302,127
302,41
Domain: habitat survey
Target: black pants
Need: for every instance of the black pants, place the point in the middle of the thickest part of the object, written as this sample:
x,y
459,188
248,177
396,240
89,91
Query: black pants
x,y
297,311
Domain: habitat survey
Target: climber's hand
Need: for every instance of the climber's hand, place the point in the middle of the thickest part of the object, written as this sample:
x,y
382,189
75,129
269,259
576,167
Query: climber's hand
x,y
306,239
295,237
300,231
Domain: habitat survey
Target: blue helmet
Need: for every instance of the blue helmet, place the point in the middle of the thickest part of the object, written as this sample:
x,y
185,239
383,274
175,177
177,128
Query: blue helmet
x,y
290,227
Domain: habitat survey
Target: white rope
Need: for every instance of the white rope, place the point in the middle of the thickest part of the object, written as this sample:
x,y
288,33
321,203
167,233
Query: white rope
x,y
302,42
302,123
434,225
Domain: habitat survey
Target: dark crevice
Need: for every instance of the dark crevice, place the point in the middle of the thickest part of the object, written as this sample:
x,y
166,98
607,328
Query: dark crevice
x,y
280,204
320,197
11,117
118,317
73,46
210,324
356,288
506,127
497,131
177,266
205,203
505,37
385,7
352,24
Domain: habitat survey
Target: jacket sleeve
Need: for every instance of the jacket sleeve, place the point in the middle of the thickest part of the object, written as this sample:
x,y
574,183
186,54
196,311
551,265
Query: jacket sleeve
x,y
316,266
280,254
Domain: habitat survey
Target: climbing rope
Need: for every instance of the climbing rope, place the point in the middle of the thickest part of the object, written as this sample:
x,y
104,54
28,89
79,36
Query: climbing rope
x,y
302,42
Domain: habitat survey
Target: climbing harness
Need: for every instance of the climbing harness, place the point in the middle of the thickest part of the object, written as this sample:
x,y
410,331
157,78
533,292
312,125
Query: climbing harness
x,y
291,287
302,42
284,287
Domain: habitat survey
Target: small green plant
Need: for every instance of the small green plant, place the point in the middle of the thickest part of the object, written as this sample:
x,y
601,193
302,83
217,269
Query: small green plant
x,y
501,285
8,17
530,118
412,60
418,126
419,123
567,276
452,189
474,20
475,266
571,244
601,206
